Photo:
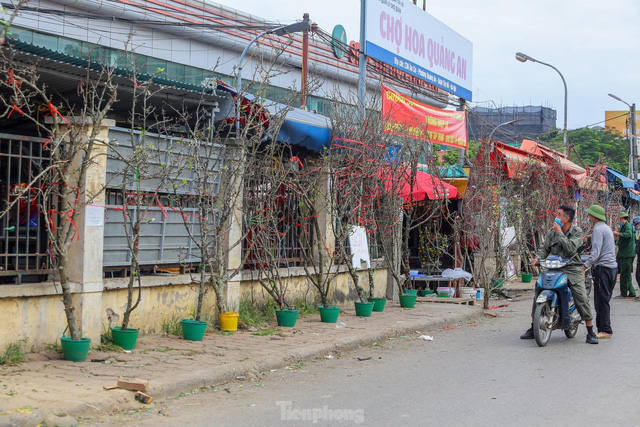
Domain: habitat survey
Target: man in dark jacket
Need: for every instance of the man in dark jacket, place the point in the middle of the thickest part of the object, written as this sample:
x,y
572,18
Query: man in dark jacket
x,y
626,254
636,230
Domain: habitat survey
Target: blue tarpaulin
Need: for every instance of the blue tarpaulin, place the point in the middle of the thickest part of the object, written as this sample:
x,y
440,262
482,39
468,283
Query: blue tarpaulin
x,y
626,182
299,127
306,129
614,175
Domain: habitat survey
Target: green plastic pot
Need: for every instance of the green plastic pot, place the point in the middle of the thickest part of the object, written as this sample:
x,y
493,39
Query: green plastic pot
x,y
329,313
364,309
287,318
526,278
126,339
378,303
497,283
411,292
425,292
193,330
408,301
75,350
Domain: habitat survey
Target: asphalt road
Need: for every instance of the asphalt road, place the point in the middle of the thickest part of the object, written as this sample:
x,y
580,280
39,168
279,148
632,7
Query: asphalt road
x,y
473,374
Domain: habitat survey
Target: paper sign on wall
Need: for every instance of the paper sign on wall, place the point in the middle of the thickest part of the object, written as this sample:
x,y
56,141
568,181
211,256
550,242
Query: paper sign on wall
x,y
359,248
94,216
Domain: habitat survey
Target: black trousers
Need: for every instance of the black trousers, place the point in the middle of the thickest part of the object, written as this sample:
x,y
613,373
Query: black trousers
x,y
604,280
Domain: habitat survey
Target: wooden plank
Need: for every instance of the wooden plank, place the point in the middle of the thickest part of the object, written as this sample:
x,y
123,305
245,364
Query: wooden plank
x,y
464,301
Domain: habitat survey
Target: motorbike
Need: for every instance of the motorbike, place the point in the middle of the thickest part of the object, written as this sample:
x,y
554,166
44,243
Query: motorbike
x,y
555,307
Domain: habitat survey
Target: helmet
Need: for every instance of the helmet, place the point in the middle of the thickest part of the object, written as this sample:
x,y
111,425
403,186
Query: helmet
x,y
636,220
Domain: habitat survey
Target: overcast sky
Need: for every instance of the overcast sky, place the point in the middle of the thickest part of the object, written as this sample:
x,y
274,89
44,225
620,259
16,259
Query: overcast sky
x,y
594,43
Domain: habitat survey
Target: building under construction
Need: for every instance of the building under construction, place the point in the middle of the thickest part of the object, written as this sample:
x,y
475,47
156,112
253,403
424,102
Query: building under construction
x,y
537,120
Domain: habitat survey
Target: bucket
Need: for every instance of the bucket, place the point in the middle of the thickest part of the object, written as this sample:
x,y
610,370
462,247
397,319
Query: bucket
x,y
125,339
425,292
411,292
75,350
526,278
446,292
467,293
193,330
480,293
408,301
287,318
497,283
229,321
378,303
364,309
329,313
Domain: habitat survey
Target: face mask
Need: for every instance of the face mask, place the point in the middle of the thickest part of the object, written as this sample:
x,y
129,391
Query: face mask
x,y
620,223
559,222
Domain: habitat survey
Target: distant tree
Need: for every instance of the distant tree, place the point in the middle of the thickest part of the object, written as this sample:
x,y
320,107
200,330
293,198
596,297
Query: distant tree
x,y
450,157
593,145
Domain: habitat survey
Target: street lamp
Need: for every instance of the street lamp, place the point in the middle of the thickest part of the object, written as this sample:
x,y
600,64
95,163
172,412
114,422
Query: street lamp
x,y
633,148
279,31
524,58
510,122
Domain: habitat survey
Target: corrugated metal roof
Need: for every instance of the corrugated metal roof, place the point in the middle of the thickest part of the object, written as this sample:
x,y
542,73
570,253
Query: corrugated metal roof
x,y
61,62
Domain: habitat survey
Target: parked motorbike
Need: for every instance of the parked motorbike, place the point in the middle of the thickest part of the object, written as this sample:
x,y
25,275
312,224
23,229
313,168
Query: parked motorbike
x,y
555,308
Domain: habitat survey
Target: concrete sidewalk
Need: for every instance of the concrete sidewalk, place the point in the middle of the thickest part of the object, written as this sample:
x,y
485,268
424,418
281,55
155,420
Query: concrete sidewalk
x,y
47,389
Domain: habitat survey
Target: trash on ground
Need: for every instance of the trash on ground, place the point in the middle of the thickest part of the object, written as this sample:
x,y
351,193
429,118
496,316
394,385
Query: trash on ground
x,y
328,356
143,397
426,337
362,359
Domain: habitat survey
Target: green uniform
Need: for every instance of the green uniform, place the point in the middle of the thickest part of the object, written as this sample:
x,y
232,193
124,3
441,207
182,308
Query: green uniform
x,y
565,246
626,253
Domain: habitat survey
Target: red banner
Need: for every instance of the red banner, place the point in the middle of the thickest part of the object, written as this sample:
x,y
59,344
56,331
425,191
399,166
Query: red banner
x,y
407,117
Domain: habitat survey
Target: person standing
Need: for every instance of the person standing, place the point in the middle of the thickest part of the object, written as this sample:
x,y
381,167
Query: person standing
x,y
603,261
636,230
626,254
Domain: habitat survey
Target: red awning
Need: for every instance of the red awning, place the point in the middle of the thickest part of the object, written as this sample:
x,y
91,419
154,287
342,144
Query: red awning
x,y
584,178
514,159
424,186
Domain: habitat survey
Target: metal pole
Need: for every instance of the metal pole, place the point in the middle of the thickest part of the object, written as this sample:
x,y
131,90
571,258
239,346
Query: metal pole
x,y
239,79
362,62
524,58
305,64
634,142
510,122
567,151
461,150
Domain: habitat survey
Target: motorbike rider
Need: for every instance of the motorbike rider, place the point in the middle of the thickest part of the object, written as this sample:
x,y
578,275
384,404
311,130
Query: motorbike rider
x,y
563,240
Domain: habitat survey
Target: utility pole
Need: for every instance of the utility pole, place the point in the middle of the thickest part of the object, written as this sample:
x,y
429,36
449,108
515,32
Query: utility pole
x,y
462,150
634,141
305,64
362,75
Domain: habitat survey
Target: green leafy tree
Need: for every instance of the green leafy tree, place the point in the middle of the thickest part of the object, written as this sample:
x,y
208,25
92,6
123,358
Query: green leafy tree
x,y
595,144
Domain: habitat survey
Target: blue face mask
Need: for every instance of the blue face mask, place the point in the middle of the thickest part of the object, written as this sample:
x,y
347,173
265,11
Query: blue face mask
x,y
620,223
559,222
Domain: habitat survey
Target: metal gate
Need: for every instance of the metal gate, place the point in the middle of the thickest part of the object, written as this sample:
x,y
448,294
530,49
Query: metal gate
x,y
165,244
23,234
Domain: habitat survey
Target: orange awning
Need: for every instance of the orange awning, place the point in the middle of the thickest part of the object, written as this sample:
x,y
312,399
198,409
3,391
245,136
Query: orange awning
x,y
577,173
514,158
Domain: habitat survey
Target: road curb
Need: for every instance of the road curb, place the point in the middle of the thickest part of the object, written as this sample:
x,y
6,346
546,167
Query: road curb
x,y
200,379
166,387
